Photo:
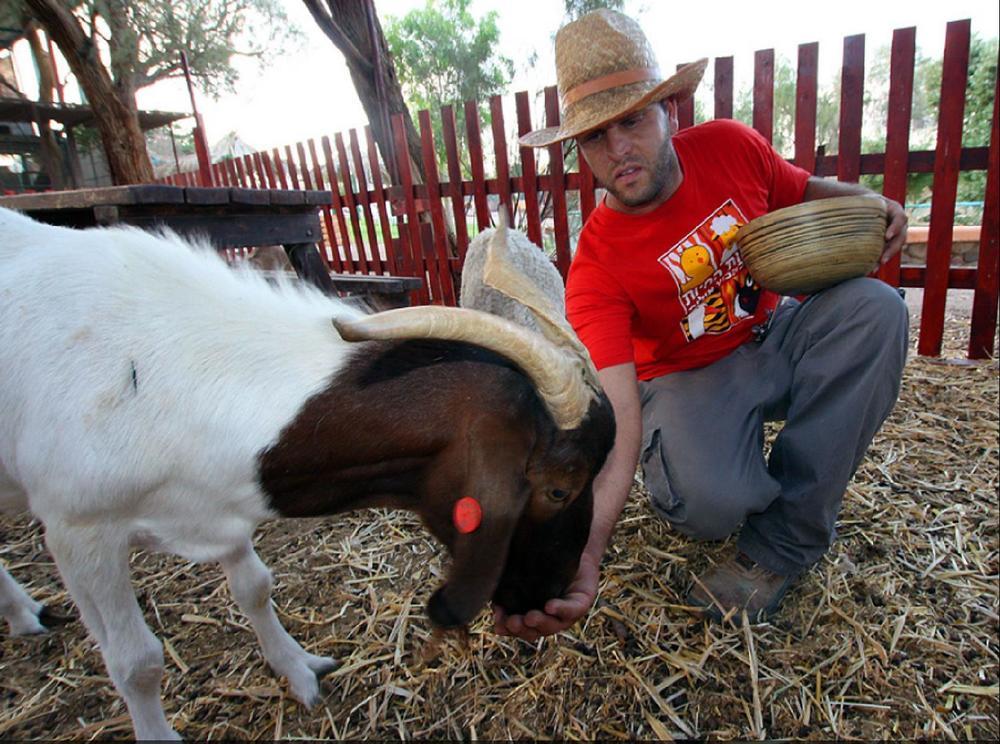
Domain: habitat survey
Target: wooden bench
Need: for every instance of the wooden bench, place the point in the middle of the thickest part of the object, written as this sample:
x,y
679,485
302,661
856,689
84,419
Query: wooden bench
x,y
227,217
379,291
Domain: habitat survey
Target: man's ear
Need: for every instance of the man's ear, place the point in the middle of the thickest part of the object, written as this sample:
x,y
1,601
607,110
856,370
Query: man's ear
x,y
670,108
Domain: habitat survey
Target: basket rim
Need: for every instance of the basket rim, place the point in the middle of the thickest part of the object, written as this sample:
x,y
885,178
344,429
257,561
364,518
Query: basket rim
x,y
867,202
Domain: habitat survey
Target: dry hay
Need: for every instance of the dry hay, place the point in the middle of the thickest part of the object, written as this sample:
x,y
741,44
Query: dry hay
x,y
892,635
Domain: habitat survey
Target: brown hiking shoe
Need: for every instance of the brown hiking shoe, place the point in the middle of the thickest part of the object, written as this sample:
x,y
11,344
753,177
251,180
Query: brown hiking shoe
x,y
738,584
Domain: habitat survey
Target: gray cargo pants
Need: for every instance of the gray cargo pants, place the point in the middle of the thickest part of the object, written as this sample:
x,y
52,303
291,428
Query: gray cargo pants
x,y
830,367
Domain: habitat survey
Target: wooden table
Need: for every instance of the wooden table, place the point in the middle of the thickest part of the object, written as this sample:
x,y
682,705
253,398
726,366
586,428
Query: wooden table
x,y
228,217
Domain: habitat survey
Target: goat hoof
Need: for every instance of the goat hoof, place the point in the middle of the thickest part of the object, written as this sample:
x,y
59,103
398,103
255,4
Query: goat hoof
x,y
50,619
322,666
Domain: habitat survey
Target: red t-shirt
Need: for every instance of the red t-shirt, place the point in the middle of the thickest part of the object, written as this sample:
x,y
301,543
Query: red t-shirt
x,y
666,290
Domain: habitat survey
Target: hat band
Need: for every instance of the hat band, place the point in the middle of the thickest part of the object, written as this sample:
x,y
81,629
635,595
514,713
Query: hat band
x,y
614,80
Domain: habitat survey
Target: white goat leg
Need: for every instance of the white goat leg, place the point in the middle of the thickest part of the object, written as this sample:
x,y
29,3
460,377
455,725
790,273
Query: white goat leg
x,y
250,582
20,610
94,566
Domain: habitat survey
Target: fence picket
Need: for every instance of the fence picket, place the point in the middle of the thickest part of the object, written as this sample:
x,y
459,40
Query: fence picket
x,y
364,203
897,129
984,301
329,250
304,166
272,182
529,174
350,202
805,107
685,111
448,133
588,198
279,167
446,294
241,177
293,175
410,232
251,174
560,218
381,198
723,88
852,91
341,238
500,154
763,93
476,161
954,73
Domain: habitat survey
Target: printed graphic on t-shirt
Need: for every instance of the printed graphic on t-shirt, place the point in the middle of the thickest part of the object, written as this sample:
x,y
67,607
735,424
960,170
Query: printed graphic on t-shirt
x,y
713,284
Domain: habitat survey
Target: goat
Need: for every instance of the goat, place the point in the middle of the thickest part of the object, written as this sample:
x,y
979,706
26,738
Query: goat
x,y
153,397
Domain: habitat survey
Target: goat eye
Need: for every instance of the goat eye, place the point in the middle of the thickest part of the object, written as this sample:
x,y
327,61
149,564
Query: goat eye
x,y
559,494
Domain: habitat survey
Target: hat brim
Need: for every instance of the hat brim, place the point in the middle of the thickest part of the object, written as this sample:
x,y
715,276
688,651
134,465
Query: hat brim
x,y
597,110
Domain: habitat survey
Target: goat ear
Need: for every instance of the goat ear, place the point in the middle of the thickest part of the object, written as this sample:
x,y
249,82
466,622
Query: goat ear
x,y
479,557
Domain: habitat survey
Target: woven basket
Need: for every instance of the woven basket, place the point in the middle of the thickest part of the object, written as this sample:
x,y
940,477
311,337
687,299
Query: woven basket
x,y
814,245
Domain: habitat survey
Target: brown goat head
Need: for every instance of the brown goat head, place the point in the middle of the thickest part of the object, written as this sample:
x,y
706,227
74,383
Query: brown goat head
x,y
536,519
420,425
536,432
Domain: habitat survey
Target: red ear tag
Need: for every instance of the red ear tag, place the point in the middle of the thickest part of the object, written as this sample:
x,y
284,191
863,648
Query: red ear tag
x,y
467,515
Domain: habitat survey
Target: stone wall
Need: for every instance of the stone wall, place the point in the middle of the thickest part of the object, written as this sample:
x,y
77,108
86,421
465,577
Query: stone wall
x,y
964,247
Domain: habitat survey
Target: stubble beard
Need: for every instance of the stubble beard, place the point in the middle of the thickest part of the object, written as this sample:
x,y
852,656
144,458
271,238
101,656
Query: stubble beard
x,y
660,174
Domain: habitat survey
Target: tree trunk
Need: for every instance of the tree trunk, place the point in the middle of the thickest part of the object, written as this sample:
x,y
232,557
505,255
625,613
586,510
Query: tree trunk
x,y
350,25
117,120
51,155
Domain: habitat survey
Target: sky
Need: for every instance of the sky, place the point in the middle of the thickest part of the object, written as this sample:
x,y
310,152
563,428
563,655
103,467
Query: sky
x,y
307,92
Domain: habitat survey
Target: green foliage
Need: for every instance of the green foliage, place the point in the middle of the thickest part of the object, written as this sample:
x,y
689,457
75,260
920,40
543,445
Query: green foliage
x,y
443,55
145,38
577,8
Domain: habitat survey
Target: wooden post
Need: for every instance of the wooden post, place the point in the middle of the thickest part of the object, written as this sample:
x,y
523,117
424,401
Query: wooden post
x,y
954,74
200,139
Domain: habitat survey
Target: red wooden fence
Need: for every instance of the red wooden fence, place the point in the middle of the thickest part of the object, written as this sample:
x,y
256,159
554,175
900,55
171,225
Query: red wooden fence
x,y
420,230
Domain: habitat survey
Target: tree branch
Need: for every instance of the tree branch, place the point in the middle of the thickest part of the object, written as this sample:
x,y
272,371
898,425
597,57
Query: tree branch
x,y
324,19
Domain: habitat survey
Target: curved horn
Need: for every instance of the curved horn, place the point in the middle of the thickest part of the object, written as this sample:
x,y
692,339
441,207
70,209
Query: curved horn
x,y
561,378
501,274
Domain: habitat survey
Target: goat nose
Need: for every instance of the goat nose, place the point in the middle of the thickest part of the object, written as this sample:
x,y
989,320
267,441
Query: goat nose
x,y
440,613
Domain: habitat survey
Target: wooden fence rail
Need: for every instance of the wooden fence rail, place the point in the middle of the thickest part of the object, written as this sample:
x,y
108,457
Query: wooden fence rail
x,y
420,229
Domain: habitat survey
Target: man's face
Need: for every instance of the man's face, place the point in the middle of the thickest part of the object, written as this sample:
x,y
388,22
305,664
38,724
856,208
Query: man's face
x,y
633,158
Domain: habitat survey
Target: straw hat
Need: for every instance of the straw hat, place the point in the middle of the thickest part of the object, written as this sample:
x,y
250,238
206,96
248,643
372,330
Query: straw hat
x,y
814,245
606,69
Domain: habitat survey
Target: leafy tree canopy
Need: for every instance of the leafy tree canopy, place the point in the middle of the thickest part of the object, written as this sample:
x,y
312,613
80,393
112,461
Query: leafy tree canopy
x,y
443,55
142,39
577,8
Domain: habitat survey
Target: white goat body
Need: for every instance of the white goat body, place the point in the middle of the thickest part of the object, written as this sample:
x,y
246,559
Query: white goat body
x,y
88,320
151,396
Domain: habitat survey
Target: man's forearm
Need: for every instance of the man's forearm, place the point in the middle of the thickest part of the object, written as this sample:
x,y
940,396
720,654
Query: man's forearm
x,y
611,493
822,188
614,483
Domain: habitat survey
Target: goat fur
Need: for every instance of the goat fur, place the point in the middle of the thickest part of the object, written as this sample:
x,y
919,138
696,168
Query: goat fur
x,y
148,393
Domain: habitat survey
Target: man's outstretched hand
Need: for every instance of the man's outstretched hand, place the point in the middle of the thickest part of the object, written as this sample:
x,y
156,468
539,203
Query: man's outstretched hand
x,y
558,613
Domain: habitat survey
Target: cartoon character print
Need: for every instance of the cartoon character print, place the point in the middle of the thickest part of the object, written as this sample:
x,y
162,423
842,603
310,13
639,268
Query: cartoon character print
x,y
714,287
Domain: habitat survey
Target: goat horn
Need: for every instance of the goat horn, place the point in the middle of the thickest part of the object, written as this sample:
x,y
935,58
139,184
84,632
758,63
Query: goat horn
x,y
501,274
560,377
